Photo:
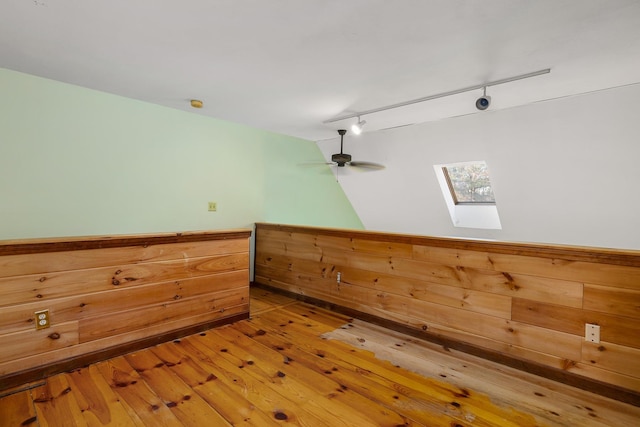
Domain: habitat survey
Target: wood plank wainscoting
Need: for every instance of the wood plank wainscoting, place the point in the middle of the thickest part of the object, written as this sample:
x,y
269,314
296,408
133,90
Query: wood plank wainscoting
x,y
523,305
108,295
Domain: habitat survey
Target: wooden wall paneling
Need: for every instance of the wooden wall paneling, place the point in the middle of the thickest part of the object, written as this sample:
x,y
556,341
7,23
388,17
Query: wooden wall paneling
x,y
579,271
21,316
120,322
510,332
550,316
613,300
38,288
452,296
615,329
288,263
294,249
526,301
536,263
111,346
452,256
482,275
19,344
612,357
394,266
300,281
569,253
106,292
43,261
345,244
466,299
562,292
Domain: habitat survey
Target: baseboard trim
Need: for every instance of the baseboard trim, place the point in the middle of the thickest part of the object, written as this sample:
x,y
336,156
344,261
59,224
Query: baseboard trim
x,y
564,377
44,371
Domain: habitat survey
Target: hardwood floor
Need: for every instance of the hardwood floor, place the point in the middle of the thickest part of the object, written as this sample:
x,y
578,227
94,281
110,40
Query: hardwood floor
x,y
296,364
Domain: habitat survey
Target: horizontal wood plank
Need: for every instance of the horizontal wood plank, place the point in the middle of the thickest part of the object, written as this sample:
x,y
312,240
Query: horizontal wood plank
x,y
612,300
33,342
615,329
214,304
48,262
61,244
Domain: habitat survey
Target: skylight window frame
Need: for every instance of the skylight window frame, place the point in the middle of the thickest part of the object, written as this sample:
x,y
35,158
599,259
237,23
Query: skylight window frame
x,y
467,215
454,195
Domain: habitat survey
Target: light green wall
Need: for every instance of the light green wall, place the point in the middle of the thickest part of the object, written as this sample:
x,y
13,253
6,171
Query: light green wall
x,y
74,161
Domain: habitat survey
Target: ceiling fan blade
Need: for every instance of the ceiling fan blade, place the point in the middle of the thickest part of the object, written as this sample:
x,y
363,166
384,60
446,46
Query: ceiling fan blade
x,y
367,165
317,164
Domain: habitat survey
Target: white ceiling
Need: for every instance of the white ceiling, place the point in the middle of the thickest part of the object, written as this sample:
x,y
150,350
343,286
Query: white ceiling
x,y
289,65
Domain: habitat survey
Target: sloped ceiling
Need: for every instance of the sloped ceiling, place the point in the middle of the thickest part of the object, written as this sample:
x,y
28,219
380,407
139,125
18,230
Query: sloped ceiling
x,y
290,65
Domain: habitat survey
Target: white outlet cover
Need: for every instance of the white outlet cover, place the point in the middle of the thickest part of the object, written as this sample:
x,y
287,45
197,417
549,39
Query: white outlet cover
x,y
592,333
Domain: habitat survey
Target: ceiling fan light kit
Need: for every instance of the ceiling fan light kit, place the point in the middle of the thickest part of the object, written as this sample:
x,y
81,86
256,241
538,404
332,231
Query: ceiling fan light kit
x,y
342,159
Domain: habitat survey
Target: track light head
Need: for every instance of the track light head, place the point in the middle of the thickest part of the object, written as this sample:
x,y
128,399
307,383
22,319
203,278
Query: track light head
x,y
484,101
357,128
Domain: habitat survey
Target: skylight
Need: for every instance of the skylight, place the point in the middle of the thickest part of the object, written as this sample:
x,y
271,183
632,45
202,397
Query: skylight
x,y
469,183
466,188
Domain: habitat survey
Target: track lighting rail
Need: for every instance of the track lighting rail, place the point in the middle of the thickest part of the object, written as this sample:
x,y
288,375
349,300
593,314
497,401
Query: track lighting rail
x,y
439,95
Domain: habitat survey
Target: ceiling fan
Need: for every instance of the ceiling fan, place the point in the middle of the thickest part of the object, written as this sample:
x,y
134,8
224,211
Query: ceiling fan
x,y
343,159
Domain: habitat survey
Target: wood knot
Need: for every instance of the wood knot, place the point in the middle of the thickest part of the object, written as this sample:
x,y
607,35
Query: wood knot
x,y
42,279
114,281
54,336
508,277
280,416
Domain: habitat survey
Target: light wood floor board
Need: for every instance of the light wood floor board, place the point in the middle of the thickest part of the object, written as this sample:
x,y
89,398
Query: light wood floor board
x,y
295,364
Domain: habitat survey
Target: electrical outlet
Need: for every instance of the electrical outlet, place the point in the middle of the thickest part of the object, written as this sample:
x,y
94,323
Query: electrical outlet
x,y
592,333
42,319
213,206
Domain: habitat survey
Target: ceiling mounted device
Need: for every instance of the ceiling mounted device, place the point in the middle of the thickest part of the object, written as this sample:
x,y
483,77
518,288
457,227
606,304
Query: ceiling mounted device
x,y
442,95
343,159
484,101
357,128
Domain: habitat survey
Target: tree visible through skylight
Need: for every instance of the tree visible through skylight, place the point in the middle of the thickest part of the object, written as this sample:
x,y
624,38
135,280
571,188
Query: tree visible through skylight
x,y
469,183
